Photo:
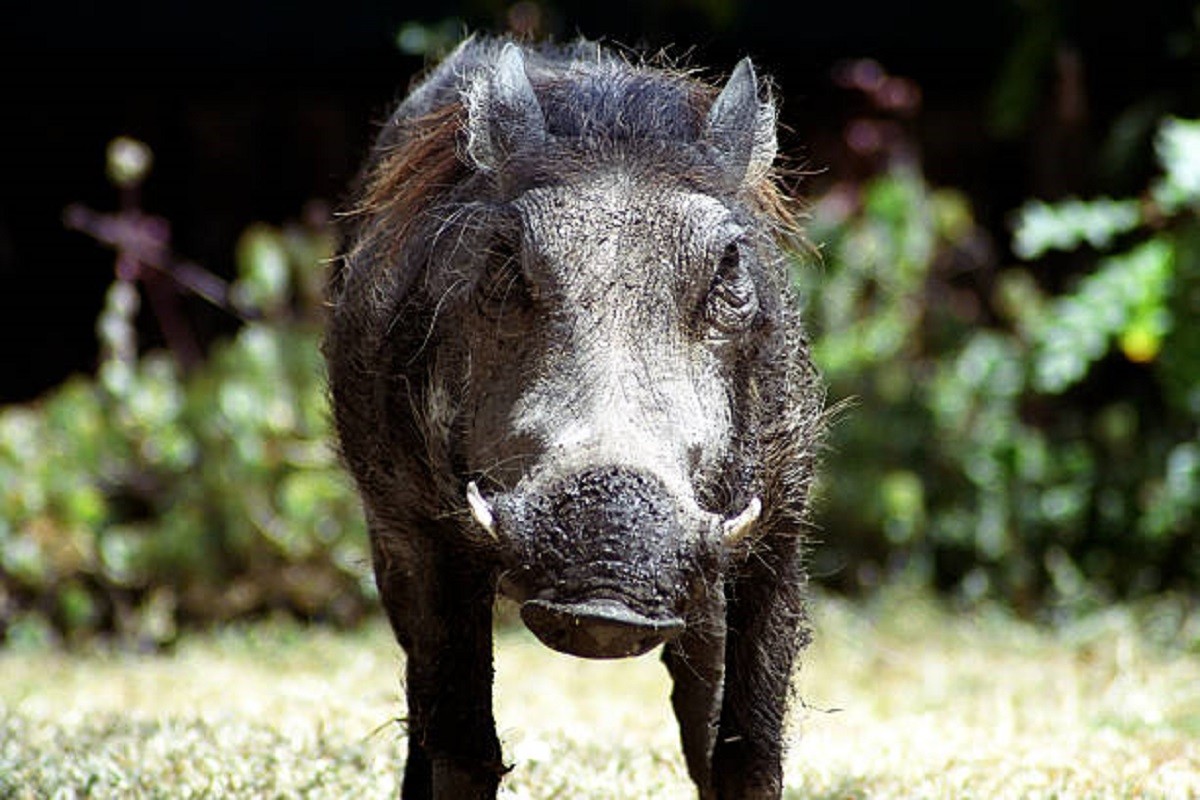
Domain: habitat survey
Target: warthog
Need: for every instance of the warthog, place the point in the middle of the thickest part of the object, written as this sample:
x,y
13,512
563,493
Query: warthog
x,y
565,365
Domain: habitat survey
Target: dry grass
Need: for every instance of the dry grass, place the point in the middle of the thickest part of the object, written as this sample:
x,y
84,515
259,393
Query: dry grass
x,y
928,705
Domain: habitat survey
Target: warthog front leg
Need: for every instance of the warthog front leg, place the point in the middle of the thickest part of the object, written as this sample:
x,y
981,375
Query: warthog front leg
x,y
441,611
696,661
766,631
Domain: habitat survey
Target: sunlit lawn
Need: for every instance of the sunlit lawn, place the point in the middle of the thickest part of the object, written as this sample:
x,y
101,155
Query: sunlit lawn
x,y
899,700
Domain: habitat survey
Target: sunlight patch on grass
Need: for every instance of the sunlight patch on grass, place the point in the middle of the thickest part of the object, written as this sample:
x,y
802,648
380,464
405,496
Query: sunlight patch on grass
x,y
900,699
586,729
938,705
246,713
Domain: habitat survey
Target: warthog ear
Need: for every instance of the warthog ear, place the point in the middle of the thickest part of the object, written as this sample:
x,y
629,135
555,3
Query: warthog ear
x,y
503,113
741,128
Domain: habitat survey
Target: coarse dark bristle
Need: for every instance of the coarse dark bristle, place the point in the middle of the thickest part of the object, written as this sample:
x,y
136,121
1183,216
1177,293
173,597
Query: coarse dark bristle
x,y
594,102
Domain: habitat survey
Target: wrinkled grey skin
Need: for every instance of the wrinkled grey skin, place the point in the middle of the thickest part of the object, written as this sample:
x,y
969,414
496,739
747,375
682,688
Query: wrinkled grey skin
x,y
574,375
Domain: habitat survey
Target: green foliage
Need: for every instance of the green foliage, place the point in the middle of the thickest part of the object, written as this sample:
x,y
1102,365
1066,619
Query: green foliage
x,y
147,497
1030,433
1040,444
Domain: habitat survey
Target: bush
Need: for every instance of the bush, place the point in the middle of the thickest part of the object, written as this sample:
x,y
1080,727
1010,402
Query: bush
x,y
147,497
1006,438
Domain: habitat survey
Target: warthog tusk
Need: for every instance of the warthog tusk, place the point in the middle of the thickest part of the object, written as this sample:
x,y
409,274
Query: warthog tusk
x,y
734,530
481,510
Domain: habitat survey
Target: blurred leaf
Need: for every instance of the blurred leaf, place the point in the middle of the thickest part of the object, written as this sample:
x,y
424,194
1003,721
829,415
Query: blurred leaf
x,y
1067,225
123,554
263,281
431,40
1178,148
1173,504
24,560
77,606
904,505
128,161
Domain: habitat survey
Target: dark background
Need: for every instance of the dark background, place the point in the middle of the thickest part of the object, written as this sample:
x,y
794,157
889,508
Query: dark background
x,y
254,109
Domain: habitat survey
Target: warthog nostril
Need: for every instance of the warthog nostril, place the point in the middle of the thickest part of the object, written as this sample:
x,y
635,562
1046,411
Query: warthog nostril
x,y
600,628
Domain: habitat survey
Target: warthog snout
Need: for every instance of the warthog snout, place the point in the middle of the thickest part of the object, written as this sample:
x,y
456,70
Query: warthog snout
x,y
604,561
601,559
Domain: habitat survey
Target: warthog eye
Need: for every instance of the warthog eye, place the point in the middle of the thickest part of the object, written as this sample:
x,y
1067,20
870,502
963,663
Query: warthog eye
x,y
731,303
502,289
